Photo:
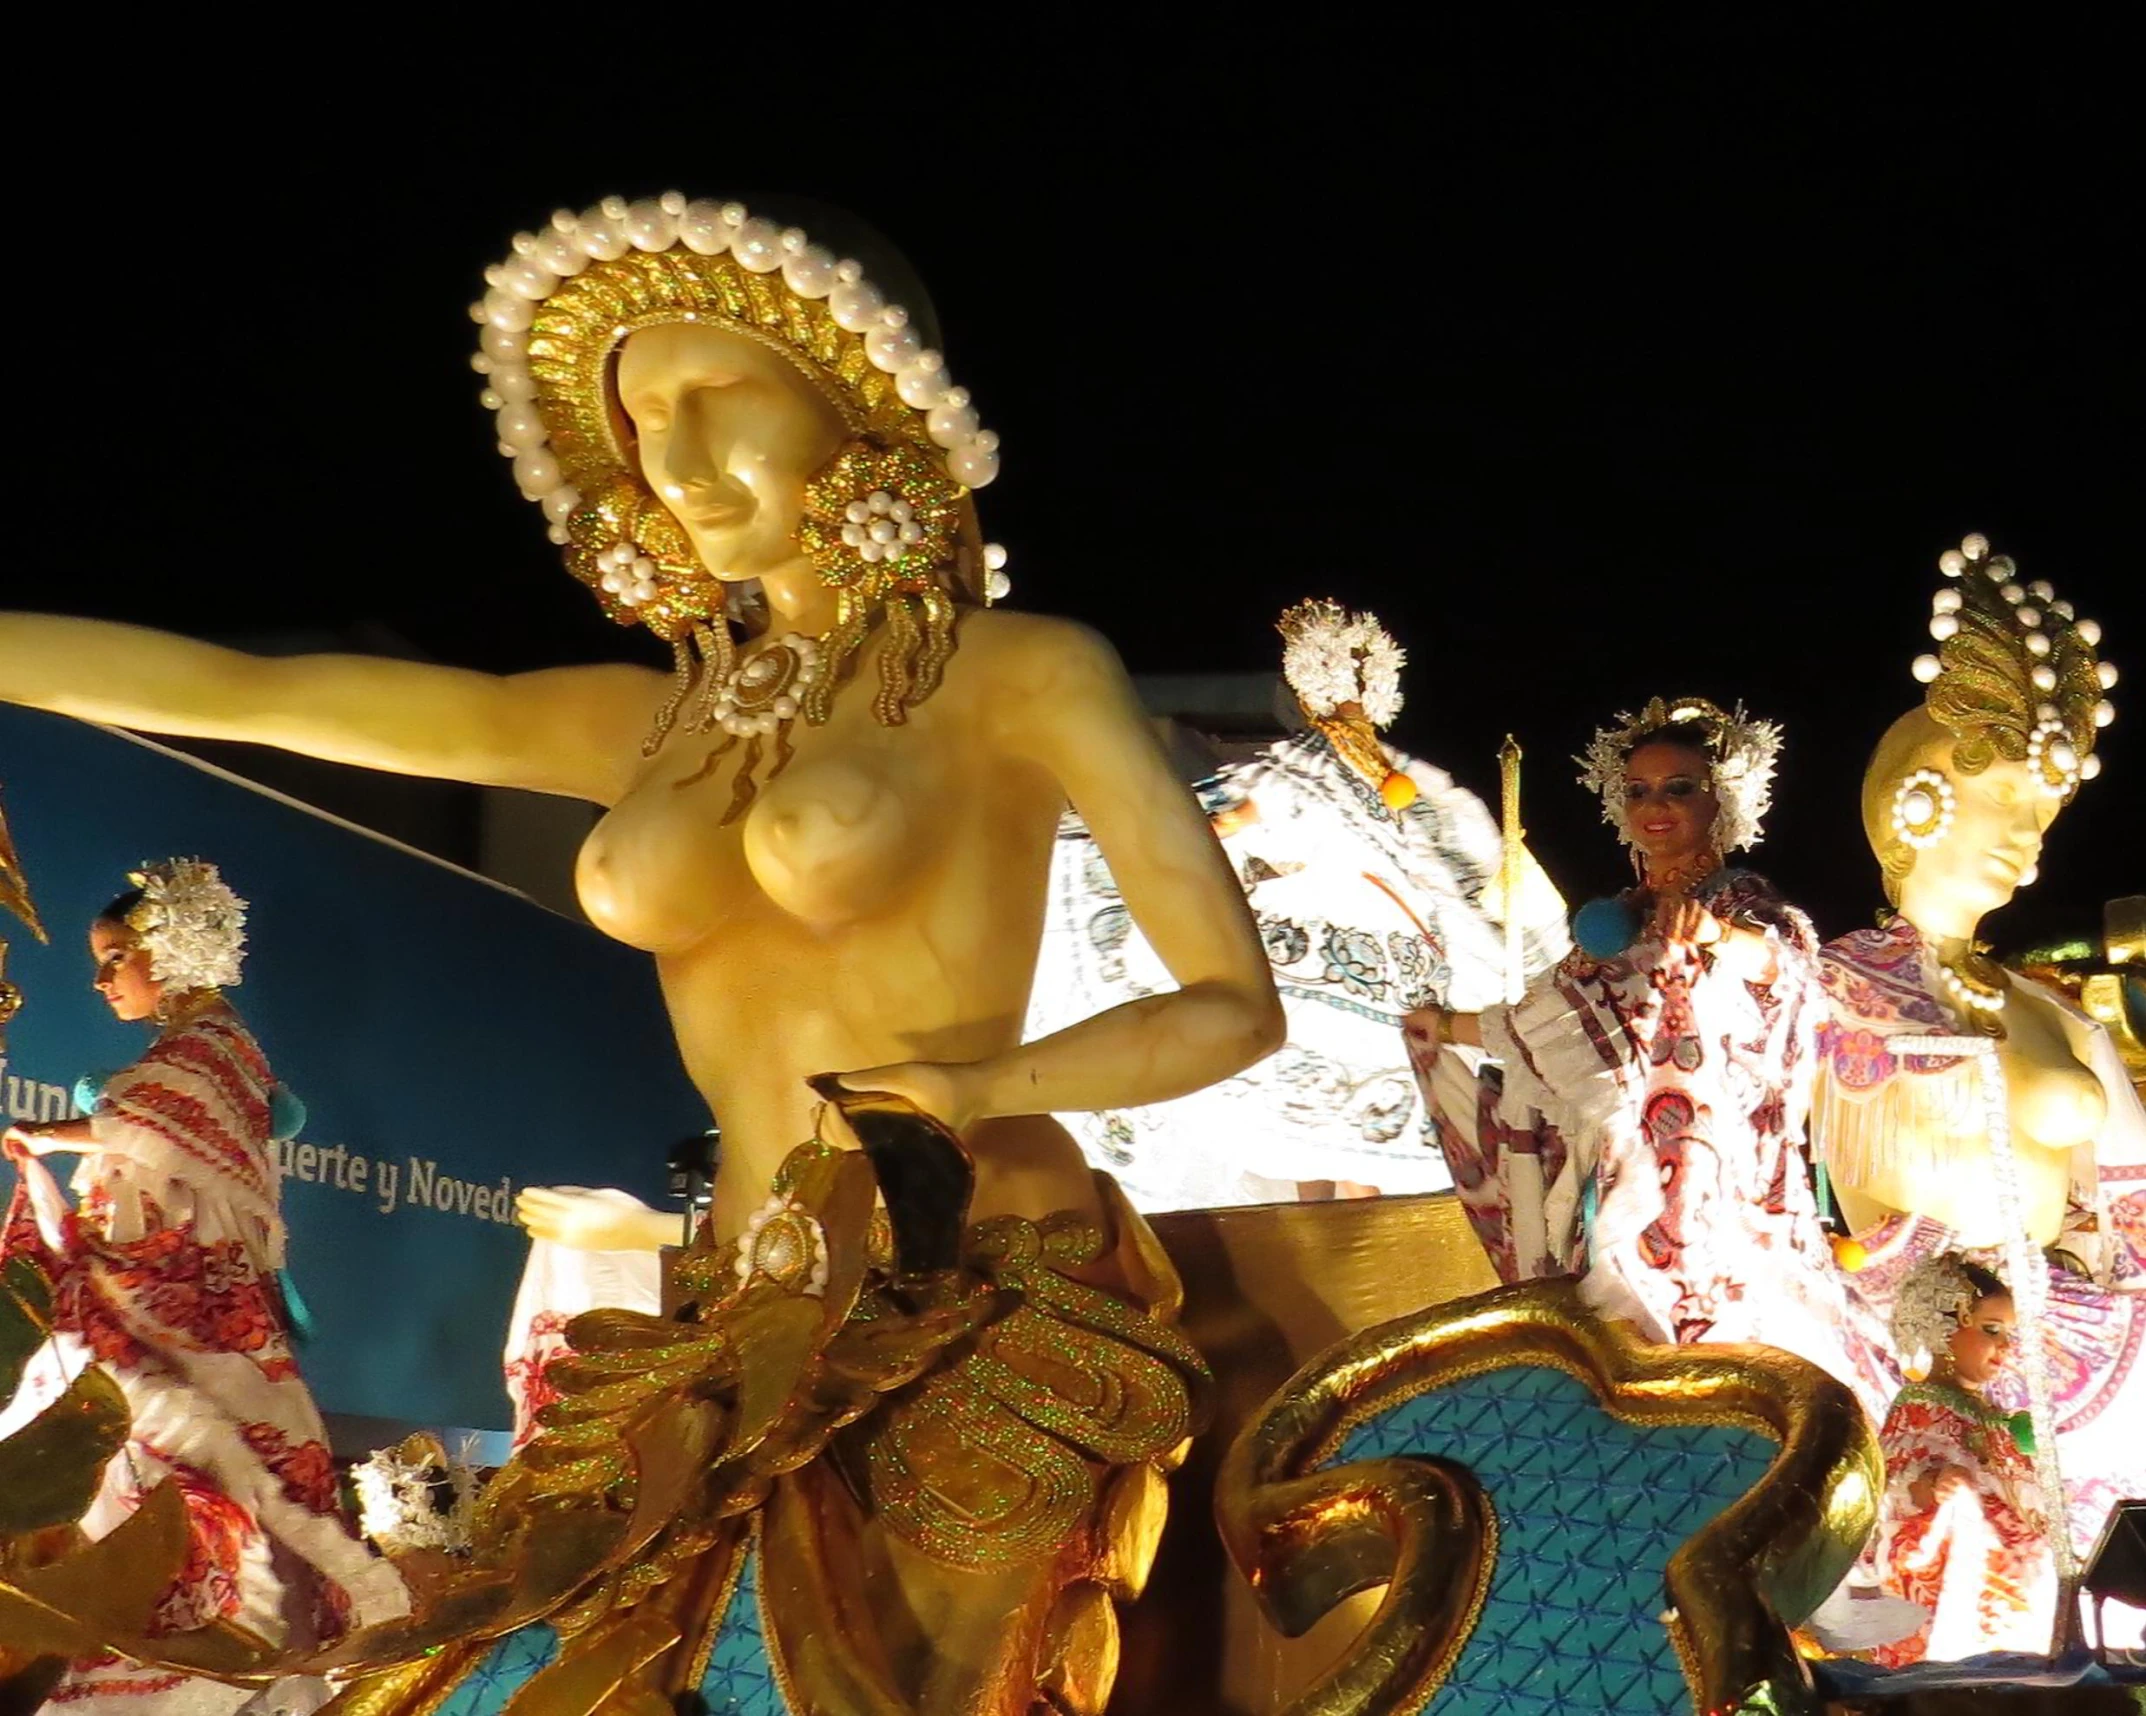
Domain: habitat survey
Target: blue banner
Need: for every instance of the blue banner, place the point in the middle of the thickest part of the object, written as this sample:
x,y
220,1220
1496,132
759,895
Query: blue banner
x,y
451,1040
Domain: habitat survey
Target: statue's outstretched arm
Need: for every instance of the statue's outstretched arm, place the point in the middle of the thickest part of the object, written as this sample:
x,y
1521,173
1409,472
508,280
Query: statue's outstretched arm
x,y
573,731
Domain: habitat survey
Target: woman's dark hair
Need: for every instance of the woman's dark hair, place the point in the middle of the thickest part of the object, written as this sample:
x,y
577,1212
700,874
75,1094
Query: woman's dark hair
x,y
1986,1283
117,911
1692,735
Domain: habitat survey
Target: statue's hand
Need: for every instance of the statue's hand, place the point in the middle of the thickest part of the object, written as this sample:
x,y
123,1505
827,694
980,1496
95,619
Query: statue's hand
x,y
941,1089
584,1221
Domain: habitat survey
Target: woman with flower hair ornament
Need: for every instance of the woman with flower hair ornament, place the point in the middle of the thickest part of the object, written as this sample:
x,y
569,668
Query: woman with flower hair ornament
x,y
165,1275
1639,1121
831,826
1374,877
1961,1531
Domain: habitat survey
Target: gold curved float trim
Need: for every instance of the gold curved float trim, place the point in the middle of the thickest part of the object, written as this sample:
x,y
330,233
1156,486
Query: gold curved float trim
x,y
1306,1538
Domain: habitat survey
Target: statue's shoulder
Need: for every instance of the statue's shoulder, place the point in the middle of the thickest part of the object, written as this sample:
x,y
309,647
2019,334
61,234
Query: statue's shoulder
x,y
1011,632
1031,656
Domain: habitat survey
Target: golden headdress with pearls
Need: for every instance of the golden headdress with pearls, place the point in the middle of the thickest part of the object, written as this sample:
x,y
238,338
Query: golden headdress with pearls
x,y
2015,674
886,523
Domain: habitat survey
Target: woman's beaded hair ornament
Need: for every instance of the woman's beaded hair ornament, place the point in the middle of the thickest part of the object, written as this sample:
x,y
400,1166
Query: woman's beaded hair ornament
x,y
2015,676
888,522
190,923
1332,657
1742,752
1936,1297
1345,672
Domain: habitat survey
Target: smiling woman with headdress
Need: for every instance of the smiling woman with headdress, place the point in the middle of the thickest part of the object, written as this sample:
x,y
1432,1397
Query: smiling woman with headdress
x,y
1641,1122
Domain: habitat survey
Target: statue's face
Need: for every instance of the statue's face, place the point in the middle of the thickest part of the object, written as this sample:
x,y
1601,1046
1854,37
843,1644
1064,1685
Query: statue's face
x,y
728,432
2000,816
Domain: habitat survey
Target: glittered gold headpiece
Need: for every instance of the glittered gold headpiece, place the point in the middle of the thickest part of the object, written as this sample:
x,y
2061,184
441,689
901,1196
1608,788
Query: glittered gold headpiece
x,y
561,305
2015,674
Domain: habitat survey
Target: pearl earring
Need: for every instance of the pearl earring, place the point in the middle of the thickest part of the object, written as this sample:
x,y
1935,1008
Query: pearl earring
x,y
1923,806
2051,757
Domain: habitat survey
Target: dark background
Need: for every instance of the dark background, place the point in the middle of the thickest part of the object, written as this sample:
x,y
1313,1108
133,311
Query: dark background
x,y
1598,363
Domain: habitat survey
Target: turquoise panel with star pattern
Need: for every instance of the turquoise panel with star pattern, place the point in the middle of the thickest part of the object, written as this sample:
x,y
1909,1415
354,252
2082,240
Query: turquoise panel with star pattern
x,y
511,1662
741,1680
1590,1509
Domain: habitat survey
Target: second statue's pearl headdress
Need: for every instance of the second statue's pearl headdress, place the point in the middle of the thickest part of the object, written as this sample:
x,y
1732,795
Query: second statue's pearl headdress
x,y
1332,657
1345,670
2016,675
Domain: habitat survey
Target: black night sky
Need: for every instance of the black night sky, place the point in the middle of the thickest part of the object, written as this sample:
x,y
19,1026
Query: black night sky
x,y
1595,367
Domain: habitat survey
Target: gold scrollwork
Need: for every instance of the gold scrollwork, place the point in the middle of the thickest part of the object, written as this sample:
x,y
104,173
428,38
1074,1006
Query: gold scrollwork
x,y
1306,1537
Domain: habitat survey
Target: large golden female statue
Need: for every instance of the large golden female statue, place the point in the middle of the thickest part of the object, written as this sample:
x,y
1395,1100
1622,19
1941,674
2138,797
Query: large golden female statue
x,y
1957,800
833,829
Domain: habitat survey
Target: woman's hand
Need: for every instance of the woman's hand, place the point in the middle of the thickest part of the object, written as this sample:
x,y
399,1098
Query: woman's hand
x,y
51,1137
1429,1029
942,1089
23,1142
1951,1481
1677,919
1933,1489
589,1221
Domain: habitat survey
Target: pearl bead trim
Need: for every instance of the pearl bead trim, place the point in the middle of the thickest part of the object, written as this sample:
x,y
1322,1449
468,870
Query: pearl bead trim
x,y
1971,998
2052,749
1923,807
542,262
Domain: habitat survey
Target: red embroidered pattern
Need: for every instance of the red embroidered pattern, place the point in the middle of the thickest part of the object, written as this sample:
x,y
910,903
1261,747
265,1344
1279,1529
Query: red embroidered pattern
x,y
218,1533
1983,1536
229,1135
150,1309
527,1385
209,1293
306,1471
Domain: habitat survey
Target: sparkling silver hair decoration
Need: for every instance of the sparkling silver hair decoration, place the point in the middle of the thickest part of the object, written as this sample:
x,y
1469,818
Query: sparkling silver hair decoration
x,y
1331,657
1742,750
1935,1298
191,923
417,1496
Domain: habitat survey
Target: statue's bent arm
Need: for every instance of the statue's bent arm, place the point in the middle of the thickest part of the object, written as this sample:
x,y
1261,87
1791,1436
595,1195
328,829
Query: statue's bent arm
x,y
1079,718
572,731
